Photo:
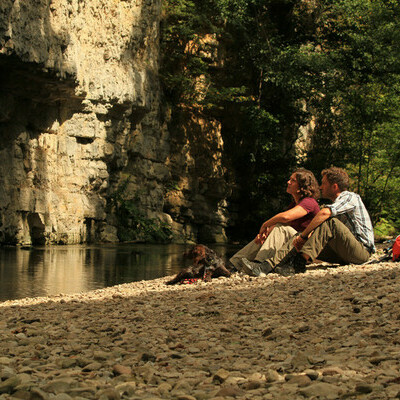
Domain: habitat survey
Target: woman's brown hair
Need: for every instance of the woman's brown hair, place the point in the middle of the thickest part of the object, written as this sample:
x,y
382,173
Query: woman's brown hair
x,y
308,184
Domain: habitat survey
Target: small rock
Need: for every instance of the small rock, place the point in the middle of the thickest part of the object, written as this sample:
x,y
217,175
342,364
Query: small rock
x,y
314,359
377,360
148,357
21,335
101,355
58,386
321,389
193,350
126,388
221,375
185,397
9,384
332,371
121,370
273,376
21,394
256,377
62,396
392,391
108,394
234,380
68,363
182,385
303,328
300,360
95,366
312,374
7,372
364,388
164,388
299,380
252,385
38,394
230,391
85,391
267,332
83,361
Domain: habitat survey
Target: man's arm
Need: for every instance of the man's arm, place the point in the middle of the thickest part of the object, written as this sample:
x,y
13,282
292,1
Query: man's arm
x,y
321,217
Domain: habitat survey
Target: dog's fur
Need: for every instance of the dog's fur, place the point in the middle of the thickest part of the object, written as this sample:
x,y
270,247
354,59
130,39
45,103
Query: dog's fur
x,y
206,265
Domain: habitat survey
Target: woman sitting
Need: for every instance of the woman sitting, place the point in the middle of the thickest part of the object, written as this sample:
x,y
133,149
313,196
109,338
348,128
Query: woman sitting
x,y
304,189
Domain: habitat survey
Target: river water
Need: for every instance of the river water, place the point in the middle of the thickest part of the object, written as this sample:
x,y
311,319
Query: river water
x,y
52,270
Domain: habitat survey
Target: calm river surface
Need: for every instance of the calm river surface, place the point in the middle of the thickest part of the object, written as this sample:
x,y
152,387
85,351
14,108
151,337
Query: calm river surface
x,y
52,270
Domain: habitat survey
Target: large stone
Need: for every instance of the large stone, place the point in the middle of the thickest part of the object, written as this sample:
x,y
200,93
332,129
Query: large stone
x,y
321,390
9,384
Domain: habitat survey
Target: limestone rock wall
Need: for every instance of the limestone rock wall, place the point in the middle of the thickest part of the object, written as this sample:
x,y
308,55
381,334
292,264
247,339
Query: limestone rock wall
x,y
81,111
196,195
79,105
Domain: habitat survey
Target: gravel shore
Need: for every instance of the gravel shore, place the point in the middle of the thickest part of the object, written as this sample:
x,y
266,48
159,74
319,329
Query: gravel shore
x,y
330,333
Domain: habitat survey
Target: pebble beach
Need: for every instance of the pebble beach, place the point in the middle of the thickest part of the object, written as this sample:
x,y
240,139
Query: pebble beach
x,y
330,333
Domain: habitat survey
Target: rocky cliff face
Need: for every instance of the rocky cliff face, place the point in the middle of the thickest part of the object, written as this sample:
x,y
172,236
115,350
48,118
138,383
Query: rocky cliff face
x,y
195,197
80,112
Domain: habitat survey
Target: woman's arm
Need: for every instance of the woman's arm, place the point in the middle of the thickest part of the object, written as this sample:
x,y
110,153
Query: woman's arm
x,y
284,218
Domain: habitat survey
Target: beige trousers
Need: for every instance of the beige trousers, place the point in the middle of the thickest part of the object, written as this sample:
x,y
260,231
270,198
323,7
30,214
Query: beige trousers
x,y
256,252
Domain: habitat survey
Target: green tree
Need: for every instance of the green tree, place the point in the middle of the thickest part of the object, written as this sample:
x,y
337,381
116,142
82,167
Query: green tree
x,y
357,102
255,91
285,64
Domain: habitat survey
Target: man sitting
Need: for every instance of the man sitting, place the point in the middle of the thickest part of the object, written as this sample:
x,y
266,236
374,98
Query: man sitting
x,y
340,233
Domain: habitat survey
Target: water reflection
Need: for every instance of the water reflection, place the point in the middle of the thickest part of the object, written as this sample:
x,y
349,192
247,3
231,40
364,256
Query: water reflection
x,y
45,271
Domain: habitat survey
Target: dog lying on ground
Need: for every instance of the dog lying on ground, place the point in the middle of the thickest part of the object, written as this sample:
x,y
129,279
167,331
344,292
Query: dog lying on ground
x,y
206,265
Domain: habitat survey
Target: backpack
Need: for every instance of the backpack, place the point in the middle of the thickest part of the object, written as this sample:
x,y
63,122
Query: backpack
x,y
392,252
396,249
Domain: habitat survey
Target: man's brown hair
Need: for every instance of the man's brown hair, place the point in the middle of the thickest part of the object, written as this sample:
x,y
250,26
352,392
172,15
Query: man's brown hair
x,y
338,176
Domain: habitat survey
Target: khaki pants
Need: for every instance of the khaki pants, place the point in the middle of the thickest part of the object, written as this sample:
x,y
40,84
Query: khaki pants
x,y
280,235
333,242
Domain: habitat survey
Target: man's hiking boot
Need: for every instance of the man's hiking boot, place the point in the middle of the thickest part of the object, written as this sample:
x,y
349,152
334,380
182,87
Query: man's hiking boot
x,y
253,268
292,263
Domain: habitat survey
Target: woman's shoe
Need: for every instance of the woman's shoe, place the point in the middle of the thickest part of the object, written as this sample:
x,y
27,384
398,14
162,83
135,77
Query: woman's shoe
x,y
253,268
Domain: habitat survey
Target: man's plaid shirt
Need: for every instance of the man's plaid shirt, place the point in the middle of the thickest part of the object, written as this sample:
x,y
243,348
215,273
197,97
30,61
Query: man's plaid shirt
x,y
349,209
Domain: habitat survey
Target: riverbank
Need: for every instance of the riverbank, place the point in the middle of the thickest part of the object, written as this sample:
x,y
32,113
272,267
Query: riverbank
x,y
329,333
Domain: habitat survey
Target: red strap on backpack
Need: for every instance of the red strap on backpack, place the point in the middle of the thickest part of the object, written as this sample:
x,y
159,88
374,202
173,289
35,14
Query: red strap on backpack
x,y
396,249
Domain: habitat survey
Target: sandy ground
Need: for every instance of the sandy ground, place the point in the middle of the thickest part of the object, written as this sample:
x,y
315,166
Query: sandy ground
x,y
330,333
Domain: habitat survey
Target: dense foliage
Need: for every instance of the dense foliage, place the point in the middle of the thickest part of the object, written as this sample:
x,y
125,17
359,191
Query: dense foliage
x,y
359,107
329,65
